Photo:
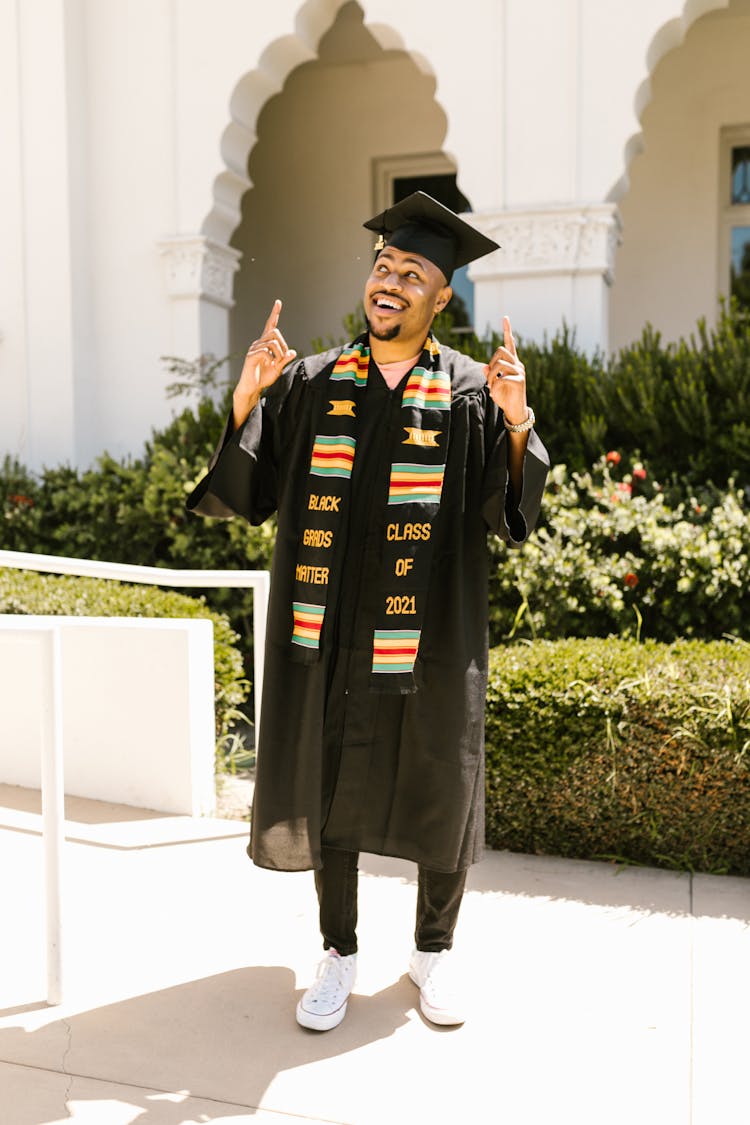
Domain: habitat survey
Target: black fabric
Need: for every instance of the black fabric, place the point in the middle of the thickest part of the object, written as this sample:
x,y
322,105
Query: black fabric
x,y
417,466
436,244
423,226
439,897
338,764
336,886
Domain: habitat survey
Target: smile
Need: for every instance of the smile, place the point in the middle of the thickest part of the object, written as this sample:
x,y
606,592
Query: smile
x,y
388,303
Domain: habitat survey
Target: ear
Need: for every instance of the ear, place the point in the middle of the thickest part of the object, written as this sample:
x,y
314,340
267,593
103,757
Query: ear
x,y
443,298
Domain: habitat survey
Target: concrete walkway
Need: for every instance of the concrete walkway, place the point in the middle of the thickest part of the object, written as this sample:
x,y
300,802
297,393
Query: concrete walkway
x,y
599,996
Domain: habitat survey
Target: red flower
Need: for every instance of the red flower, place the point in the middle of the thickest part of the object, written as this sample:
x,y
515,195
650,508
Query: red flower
x,y
631,580
613,457
639,472
17,498
623,486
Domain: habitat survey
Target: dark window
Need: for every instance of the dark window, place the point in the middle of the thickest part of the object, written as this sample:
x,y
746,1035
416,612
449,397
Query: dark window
x,y
444,189
741,266
740,174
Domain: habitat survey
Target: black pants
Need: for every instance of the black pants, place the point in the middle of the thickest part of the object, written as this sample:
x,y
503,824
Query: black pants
x,y
438,901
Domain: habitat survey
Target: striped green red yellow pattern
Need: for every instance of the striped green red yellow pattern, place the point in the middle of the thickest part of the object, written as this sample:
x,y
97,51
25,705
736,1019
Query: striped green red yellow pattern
x,y
352,364
394,650
414,483
308,621
427,388
333,456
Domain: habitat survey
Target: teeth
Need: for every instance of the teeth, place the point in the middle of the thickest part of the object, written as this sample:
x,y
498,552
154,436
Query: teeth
x,y
382,304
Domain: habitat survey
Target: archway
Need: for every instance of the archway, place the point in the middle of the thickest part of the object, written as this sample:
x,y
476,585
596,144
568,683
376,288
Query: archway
x,y
673,262
342,127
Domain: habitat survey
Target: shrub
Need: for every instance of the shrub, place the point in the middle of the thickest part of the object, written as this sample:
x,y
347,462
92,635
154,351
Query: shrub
x,y
616,750
28,592
133,511
685,405
617,553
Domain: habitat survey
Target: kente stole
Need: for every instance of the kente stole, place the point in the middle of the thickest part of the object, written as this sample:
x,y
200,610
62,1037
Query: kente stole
x,y
414,490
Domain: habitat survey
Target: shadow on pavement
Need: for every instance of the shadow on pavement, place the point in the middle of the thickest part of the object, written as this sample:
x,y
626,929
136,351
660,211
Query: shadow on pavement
x,y
222,1038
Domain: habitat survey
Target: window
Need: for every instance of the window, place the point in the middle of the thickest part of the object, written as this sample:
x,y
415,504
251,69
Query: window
x,y
734,249
398,176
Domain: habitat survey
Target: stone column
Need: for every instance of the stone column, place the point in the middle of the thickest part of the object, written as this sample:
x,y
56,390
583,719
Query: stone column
x,y
199,277
38,361
555,265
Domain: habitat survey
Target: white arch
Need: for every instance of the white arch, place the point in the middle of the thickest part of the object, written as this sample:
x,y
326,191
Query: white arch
x,y
254,89
670,35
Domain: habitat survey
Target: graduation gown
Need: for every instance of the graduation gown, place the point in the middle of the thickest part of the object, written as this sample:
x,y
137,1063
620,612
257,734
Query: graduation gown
x,y
339,763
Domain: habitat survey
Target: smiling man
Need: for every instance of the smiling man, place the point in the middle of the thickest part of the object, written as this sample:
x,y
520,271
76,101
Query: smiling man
x,y
389,461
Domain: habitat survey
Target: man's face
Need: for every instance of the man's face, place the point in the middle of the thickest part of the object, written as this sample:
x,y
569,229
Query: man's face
x,y
403,294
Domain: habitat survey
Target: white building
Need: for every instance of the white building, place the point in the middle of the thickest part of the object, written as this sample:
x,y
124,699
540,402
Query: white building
x,y
171,166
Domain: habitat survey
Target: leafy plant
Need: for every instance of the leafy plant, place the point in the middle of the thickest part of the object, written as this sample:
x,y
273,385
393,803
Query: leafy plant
x,y
610,749
616,553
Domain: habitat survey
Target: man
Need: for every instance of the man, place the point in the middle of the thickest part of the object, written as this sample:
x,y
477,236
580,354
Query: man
x,y
388,461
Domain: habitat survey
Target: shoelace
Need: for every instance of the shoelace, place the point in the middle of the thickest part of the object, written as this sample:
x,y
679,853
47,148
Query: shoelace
x,y
440,975
328,978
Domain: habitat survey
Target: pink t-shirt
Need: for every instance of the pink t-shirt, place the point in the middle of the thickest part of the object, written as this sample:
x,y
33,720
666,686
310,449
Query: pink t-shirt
x,y
393,373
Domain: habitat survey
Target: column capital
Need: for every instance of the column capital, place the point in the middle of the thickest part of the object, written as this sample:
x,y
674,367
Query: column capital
x,y
570,239
198,267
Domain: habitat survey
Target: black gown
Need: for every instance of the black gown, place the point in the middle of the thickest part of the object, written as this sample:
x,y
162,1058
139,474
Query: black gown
x,y
339,763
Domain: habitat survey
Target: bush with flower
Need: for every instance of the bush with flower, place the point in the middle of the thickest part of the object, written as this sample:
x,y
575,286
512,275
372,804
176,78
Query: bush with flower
x,y
618,553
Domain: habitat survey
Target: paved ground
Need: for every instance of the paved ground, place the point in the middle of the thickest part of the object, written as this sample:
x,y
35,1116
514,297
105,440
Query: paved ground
x,y
600,996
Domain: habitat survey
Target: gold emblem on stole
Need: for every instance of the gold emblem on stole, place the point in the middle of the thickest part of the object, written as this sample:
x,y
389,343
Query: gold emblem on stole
x,y
342,406
421,437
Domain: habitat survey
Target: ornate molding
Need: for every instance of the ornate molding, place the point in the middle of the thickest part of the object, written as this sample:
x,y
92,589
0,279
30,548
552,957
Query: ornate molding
x,y
198,267
556,240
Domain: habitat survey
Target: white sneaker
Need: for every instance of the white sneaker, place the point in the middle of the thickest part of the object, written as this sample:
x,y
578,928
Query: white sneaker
x,y
323,1006
439,998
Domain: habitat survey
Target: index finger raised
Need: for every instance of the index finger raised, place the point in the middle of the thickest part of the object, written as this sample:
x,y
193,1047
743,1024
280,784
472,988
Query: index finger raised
x,y
508,340
273,318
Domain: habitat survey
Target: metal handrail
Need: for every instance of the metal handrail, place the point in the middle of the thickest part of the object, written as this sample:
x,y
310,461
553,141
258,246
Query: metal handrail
x,y
258,580
52,748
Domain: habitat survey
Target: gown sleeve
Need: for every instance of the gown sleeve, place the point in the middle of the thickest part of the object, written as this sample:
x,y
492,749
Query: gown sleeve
x,y
511,517
242,477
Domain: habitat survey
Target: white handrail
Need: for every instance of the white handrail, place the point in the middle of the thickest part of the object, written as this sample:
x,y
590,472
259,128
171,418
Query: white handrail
x,y
53,809
258,580
52,748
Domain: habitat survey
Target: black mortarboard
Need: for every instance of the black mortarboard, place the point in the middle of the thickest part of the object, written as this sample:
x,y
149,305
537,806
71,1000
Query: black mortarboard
x,y
420,224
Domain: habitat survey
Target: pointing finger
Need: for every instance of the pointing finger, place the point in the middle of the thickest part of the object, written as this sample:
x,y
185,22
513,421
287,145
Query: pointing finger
x,y
273,318
508,340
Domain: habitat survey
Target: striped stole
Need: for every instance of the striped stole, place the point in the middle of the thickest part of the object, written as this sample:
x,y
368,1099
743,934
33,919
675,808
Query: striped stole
x,y
414,490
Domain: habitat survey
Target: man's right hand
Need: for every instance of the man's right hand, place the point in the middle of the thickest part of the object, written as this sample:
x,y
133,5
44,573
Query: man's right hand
x,y
265,360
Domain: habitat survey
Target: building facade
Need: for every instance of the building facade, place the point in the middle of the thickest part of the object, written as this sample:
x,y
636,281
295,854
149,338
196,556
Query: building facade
x,y
171,166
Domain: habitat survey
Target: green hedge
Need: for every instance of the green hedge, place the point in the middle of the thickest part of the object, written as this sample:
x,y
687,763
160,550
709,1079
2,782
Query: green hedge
x,y
133,511
660,562
610,749
31,593
685,406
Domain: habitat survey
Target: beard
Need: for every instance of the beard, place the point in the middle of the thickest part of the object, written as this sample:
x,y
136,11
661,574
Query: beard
x,y
385,333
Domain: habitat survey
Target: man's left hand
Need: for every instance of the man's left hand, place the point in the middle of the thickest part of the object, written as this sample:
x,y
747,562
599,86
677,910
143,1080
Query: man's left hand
x,y
506,378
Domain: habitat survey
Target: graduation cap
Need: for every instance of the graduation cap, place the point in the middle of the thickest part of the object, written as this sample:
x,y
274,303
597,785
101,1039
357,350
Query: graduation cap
x,y
420,224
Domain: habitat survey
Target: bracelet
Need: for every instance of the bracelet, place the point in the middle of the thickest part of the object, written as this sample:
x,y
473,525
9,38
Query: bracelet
x,y
522,427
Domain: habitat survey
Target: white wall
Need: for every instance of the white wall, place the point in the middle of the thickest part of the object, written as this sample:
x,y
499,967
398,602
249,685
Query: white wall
x,y
301,236
666,269
137,703
129,121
